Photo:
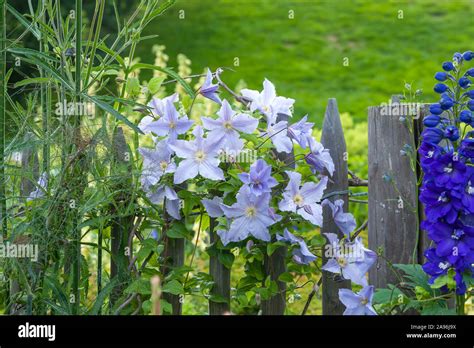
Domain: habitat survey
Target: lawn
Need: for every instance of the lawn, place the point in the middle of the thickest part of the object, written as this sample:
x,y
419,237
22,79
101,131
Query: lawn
x,y
304,56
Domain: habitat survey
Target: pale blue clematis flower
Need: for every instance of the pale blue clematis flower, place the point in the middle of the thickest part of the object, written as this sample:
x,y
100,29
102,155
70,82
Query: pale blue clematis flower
x,y
165,194
268,103
213,206
170,124
260,179
210,90
157,107
41,187
251,217
156,163
227,125
154,234
351,262
301,255
358,304
301,132
345,221
319,158
200,157
278,134
304,200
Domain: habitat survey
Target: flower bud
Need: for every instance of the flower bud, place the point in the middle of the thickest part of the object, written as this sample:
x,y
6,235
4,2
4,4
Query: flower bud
x,y
468,55
448,66
465,116
470,104
440,88
452,133
431,120
441,76
470,72
435,109
446,103
464,82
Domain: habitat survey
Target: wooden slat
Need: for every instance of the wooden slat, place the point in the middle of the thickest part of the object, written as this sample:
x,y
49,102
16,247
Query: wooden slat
x,y
221,276
332,138
392,229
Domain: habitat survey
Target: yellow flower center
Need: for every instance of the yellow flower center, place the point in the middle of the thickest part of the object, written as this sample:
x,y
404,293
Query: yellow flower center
x,y
364,301
342,262
266,108
227,125
298,199
250,211
172,125
200,156
163,165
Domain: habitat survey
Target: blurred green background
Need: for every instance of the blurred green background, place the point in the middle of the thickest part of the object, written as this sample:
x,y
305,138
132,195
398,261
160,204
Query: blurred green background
x,y
304,56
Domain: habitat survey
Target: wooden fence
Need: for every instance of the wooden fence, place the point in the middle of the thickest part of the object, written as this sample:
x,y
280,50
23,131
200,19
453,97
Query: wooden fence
x,y
393,222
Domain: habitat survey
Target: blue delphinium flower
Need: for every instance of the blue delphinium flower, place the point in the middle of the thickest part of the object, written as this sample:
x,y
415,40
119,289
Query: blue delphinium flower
x,y
251,216
304,200
447,191
358,304
228,125
259,179
170,124
200,157
210,90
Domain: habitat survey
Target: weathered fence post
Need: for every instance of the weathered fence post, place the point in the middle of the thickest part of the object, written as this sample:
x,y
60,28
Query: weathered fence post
x,y
121,225
393,197
275,264
173,253
332,138
221,276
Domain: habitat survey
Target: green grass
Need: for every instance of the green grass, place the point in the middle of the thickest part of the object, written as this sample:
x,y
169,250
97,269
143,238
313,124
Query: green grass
x,y
303,56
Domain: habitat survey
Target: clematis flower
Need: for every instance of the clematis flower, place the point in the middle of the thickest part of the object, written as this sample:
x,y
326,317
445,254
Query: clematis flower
x,y
228,125
200,157
345,221
213,207
41,187
260,179
319,158
156,163
304,200
278,134
268,103
209,90
358,304
165,194
301,254
301,132
251,217
351,262
157,107
170,124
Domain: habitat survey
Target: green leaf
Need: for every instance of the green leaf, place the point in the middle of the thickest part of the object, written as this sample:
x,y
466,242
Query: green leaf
x,y
414,275
436,309
226,258
34,80
271,247
178,230
166,307
286,277
155,83
140,286
102,296
218,298
28,25
173,287
107,108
